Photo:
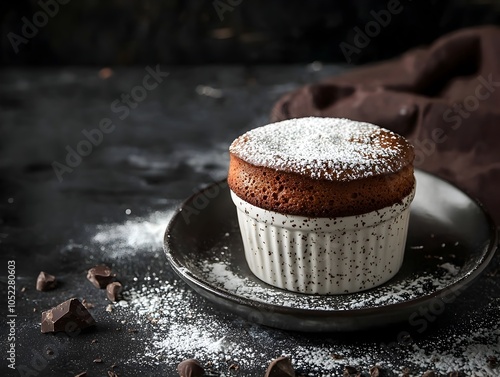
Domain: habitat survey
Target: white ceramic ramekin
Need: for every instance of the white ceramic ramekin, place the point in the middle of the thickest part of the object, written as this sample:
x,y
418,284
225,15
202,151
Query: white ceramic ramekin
x,y
324,255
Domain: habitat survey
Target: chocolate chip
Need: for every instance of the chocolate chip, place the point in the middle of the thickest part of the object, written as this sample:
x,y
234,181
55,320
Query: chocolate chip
x,y
87,304
348,371
113,290
375,371
45,282
190,368
68,316
100,276
492,361
429,373
280,367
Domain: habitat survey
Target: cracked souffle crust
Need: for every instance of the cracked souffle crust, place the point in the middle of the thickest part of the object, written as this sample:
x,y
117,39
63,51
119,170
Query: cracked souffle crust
x,y
321,167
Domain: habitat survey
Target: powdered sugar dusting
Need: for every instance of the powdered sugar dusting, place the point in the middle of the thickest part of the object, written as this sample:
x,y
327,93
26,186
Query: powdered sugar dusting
x,y
467,352
181,328
324,148
450,268
132,236
173,326
173,323
222,275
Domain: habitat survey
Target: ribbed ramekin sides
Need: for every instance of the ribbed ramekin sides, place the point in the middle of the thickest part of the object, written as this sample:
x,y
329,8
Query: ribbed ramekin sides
x,y
324,255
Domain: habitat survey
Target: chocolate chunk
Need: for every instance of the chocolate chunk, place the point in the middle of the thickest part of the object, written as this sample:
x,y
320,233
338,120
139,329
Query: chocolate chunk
x,y
69,316
492,361
375,371
45,282
280,367
429,373
113,290
348,371
190,368
87,304
101,276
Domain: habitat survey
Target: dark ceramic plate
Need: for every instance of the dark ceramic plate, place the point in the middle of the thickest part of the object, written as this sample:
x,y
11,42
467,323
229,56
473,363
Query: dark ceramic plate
x,y
451,239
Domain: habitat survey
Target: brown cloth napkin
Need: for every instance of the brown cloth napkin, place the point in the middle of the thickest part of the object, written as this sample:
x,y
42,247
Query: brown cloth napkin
x,y
445,99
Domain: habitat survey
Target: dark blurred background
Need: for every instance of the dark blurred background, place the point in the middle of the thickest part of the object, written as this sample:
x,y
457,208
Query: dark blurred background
x,y
138,32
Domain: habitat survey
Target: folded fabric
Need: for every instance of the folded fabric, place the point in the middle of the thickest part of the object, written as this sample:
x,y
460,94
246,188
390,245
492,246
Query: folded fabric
x,y
445,99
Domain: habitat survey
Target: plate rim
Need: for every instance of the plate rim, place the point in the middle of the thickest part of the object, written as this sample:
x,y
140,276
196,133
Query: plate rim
x,y
194,281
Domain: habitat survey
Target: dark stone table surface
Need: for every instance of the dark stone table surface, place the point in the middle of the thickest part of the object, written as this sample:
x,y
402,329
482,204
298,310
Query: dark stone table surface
x,y
168,142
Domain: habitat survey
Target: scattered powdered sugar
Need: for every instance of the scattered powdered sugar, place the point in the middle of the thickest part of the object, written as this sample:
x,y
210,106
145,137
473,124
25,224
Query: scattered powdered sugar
x,y
332,359
174,323
471,348
227,276
324,148
132,236
450,268
181,327
175,326
467,352
416,247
